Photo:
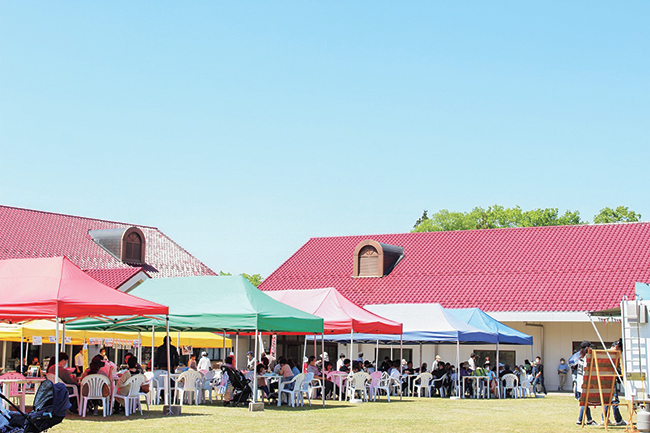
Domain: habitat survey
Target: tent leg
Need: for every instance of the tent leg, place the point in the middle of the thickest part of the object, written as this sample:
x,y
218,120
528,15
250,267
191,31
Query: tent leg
x,y
322,343
168,387
255,369
458,368
497,373
401,356
223,354
153,338
304,355
236,349
4,356
56,353
351,344
377,357
21,349
63,339
140,347
420,354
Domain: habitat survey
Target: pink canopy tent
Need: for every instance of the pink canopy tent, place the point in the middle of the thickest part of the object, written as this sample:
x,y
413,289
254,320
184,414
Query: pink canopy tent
x,y
340,315
55,288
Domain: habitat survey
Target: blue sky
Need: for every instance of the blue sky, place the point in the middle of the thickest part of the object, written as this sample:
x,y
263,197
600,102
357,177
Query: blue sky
x,y
242,129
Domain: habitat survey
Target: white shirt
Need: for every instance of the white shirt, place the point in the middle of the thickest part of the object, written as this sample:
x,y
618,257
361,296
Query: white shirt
x,y
204,364
339,364
79,359
472,364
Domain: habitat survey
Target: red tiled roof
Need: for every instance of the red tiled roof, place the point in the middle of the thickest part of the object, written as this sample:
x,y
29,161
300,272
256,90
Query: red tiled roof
x,y
26,233
113,277
561,268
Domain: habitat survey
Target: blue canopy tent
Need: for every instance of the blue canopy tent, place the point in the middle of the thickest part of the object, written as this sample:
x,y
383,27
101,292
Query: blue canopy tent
x,y
480,319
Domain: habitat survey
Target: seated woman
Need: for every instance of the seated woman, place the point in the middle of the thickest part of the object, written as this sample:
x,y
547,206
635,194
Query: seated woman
x,y
123,387
312,368
95,368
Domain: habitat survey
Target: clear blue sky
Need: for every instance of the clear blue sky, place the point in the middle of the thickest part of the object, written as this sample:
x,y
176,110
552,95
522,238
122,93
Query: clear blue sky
x,y
242,129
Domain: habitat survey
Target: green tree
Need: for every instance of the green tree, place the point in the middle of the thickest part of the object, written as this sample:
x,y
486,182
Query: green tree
x,y
619,215
254,279
494,217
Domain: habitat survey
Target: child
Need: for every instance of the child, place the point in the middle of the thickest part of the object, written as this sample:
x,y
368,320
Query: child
x,y
261,380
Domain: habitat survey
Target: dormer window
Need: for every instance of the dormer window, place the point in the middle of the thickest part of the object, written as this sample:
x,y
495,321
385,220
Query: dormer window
x,y
374,259
125,244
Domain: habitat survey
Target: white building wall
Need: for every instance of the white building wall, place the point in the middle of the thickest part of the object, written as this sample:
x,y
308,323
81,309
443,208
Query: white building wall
x,y
558,338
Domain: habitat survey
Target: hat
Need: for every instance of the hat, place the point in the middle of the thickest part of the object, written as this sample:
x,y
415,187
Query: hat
x,y
342,355
585,344
204,353
324,355
360,354
438,357
250,352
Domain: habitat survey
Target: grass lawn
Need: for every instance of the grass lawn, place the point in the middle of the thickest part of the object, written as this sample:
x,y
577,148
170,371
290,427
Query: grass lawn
x,y
555,413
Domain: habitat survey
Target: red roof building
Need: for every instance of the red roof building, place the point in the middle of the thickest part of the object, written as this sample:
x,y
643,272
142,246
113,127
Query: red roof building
x,y
118,254
538,269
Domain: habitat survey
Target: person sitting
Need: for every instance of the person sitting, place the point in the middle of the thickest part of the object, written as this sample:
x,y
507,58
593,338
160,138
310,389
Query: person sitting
x,y
34,369
261,380
423,368
368,367
346,366
313,368
192,362
294,367
95,367
386,364
64,376
138,368
123,385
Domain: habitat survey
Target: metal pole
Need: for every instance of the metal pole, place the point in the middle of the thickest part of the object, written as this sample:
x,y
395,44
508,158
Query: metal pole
x,y
63,338
304,355
4,355
497,373
458,368
401,356
255,369
223,354
236,349
377,356
56,353
322,370
139,347
153,338
420,355
21,347
351,344
169,373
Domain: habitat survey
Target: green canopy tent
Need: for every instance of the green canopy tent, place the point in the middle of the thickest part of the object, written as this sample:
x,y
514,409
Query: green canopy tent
x,y
209,303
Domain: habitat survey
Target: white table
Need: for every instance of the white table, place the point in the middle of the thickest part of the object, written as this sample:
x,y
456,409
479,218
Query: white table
x,y
6,385
338,378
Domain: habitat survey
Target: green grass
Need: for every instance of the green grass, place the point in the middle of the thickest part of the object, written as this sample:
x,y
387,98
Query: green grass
x,y
555,413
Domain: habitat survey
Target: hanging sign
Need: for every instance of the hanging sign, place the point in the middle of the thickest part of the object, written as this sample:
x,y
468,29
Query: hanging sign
x,y
108,342
136,343
274,344
91,341
37,341
52,339
187,350
68,340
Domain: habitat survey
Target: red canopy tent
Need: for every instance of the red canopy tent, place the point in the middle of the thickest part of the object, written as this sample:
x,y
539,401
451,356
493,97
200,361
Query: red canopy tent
x,y
55,288
340,315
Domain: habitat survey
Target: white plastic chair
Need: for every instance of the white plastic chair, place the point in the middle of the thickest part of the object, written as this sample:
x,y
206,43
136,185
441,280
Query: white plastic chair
x,y
357,384
379,381
157,385
206,384
526,387
423,382
73,390
148,380
306,387
510,382
188,383
295,394
442,388
395,382
16,390
131,401
95,384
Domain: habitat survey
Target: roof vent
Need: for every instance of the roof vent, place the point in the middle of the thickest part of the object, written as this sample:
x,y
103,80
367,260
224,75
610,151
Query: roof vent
x,y
374,259
125,244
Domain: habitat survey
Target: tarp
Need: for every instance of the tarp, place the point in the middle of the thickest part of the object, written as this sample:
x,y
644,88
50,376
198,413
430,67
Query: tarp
x,y
341,316
46,330
46,288
482,320
211,303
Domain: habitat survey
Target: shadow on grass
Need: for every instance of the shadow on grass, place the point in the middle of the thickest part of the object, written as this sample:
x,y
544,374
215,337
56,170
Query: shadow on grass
x,y
152,414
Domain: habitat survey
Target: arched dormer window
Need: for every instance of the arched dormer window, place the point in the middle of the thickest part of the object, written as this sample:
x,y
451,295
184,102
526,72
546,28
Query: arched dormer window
x,y
374,259
125,244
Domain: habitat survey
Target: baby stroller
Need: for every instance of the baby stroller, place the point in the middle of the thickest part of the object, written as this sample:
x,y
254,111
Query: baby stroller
x,y
51,403
241,390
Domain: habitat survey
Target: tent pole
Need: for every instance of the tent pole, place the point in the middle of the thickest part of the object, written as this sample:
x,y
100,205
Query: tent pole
x,y
420,355
153,337
401,356
377,356
223,354
315,347
139,347
169,373
4,355
21,348
304,355
255,369
497,373
458,391
178,346
351,344
56,353
63,338
322,343
236,349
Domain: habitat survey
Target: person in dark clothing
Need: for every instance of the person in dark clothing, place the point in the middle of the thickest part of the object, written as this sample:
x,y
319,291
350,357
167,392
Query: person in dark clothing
x,y
160,360
539,374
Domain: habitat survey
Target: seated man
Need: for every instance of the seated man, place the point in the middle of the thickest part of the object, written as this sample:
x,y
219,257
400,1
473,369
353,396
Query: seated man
x,y
64,376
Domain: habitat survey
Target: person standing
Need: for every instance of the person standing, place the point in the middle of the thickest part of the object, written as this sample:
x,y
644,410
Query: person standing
x,y
250,361
204,362
539,374
618,419
471,362
562,371
339,363
585,347
79,361
160,360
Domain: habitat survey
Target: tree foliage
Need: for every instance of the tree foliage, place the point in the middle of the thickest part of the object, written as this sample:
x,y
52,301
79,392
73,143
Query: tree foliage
x,y
494,217
619,215
255,279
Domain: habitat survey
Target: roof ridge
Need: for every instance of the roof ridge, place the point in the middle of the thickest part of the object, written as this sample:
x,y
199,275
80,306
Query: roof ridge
x,y
483,230
79,217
